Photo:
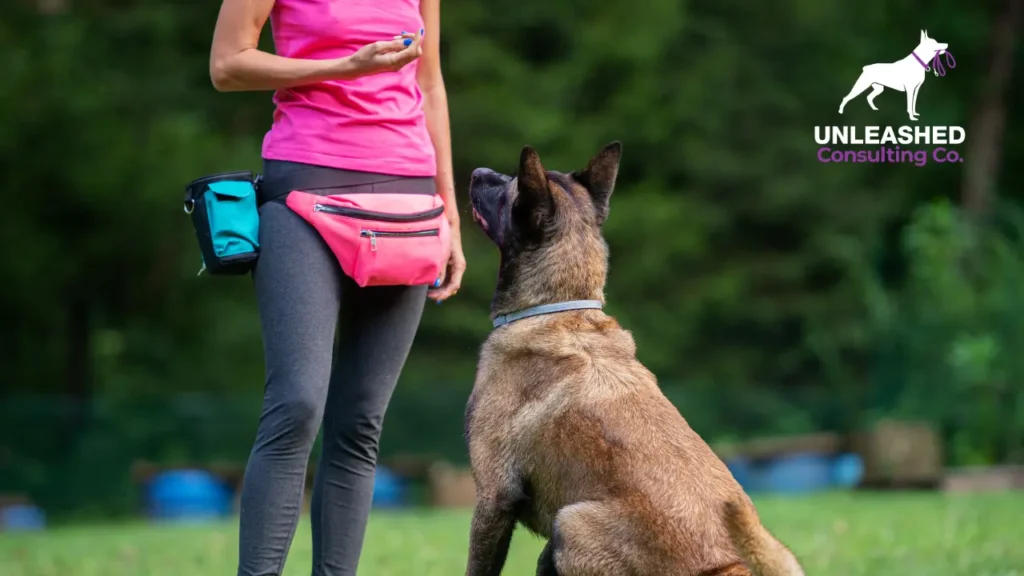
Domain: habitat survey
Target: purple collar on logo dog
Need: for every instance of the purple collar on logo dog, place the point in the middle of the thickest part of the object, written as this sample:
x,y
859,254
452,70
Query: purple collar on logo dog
x,y
937,66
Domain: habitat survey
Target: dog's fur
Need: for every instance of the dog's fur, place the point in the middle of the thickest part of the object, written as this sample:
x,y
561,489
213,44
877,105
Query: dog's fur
x,y
906,75
568,433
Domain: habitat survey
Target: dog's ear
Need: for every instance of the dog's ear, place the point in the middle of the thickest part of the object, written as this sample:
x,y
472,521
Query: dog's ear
x,y
924,36
533,203
599,177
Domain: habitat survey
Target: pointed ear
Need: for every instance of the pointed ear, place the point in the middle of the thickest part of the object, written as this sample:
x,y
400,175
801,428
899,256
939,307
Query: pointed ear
x,y
923,35
531,172
533,202
599,177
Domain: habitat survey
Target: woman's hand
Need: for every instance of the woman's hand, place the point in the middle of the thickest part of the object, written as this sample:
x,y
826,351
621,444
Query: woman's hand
x,y
385,55
456,267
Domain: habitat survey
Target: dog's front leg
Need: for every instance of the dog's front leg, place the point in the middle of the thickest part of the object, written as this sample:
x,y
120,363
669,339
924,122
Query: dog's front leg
x,y
494,520
911,96
913,105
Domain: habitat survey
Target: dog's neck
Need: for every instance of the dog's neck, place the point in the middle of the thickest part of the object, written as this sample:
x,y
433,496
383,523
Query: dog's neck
x,y
517,296
923,57
524,284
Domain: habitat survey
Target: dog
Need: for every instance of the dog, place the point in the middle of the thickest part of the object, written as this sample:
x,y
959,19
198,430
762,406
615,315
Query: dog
x,y
906,75
568,433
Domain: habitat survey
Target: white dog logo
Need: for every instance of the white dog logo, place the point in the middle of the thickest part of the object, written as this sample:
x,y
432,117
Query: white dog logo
x,y
905,75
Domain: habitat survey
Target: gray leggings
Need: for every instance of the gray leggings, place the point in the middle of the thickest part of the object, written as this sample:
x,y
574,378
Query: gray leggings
x,y
333,354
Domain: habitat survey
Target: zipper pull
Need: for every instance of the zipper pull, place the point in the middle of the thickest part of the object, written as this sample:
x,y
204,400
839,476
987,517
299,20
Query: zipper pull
x,y
373,241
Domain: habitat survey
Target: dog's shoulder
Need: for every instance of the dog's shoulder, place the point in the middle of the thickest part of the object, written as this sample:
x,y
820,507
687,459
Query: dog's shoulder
x,y
523,361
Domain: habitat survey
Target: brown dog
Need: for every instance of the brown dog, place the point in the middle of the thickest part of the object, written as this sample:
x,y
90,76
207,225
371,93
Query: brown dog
x,y
568,433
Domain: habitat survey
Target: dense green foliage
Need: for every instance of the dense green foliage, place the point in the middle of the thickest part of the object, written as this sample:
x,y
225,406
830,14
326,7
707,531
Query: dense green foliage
x,y
837,535
769,292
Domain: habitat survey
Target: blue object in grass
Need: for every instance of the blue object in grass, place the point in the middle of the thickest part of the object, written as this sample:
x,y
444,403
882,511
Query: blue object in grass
x,y
388,489
21,518
188,495
746,473
798,473
847,471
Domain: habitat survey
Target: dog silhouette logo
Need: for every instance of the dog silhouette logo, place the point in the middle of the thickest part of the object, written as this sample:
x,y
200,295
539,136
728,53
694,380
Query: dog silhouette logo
x,y
906,75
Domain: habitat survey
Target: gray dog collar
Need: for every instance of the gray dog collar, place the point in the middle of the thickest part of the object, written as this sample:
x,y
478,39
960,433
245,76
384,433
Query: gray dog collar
x,y
547,309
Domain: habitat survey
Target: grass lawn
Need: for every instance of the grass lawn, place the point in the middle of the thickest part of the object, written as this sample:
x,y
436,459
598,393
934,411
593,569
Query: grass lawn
x,y
836,534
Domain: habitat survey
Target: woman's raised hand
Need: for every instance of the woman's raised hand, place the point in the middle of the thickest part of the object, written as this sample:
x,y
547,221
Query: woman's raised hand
x,y
387,55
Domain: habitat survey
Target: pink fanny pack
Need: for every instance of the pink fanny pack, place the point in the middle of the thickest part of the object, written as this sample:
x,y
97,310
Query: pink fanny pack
x,y
381,239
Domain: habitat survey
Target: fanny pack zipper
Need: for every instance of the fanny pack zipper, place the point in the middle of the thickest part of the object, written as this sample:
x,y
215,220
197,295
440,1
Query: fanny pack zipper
x,y
378,216
374,234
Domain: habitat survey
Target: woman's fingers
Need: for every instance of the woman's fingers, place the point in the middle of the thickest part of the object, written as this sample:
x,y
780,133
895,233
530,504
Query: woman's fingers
x,y
397,52
450,285
389,46
417,42
401,41
412,48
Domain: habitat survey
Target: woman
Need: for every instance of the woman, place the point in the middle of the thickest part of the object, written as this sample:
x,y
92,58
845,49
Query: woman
x,y
361,105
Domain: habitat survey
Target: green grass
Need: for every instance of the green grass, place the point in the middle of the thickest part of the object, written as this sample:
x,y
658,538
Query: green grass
x,y
837,534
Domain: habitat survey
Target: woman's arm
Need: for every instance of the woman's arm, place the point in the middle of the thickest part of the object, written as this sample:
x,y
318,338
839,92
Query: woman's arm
x,y
435,106
237,64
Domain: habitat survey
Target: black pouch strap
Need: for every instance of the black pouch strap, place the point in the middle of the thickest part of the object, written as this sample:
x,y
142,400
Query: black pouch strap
x,y
282,177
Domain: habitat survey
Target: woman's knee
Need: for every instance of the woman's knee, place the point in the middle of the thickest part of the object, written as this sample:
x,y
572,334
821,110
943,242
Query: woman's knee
x,y
292,421
358,437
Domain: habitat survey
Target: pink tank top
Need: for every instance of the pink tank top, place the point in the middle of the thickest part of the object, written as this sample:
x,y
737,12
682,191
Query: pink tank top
x,y
371,124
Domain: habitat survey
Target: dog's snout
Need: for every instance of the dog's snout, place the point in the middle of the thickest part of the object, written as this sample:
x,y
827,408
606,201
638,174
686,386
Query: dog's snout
x,y
485,176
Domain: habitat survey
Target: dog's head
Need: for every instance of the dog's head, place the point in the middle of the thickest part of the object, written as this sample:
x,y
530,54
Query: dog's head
x,y
547,227
930,46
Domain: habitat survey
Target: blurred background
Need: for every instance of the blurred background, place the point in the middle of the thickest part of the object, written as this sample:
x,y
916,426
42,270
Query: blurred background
x,y
788,307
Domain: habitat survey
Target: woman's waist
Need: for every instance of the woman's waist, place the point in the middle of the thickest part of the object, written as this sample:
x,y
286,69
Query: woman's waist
x,y
280,177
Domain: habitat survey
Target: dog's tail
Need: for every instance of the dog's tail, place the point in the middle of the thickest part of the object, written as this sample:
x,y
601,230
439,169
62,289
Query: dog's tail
x,y
763,554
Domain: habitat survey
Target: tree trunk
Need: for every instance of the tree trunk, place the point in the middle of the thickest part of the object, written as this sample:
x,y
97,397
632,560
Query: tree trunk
x,y
985,137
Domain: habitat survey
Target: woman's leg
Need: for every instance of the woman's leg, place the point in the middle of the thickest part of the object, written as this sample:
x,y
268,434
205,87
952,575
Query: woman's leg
x,y
376,328
375,332
298,288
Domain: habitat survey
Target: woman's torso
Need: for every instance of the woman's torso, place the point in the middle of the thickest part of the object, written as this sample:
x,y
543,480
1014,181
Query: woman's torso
x,y
371,124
